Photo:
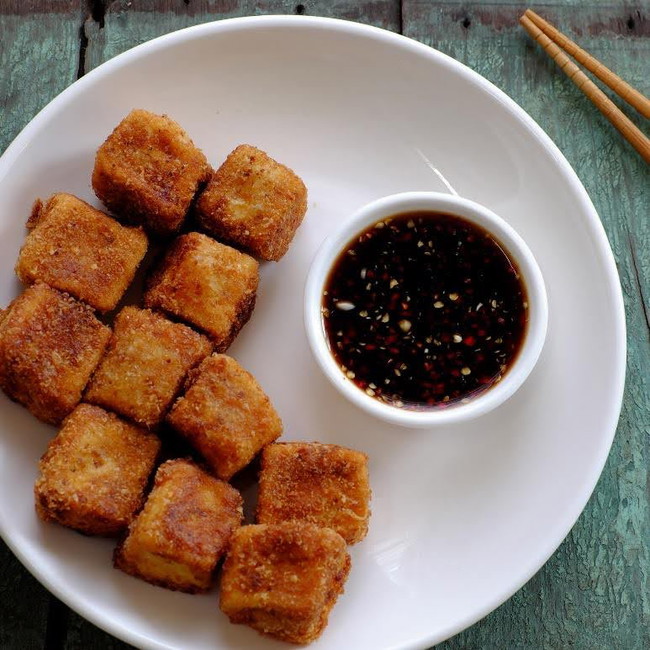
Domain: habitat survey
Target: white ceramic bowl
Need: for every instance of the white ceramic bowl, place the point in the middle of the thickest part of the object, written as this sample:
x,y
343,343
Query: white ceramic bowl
x,y
515,479
433,202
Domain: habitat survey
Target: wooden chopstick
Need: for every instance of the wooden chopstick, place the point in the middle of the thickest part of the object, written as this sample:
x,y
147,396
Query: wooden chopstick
x,y
605,105
631,95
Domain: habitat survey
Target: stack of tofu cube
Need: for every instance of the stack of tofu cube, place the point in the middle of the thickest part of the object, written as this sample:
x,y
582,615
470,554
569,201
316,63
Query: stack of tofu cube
x,y
161,367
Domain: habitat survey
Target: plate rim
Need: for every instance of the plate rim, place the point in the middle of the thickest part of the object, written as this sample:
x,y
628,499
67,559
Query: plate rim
x,y
588,215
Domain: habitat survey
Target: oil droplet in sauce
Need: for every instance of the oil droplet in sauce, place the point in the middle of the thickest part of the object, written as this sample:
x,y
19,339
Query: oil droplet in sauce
x,y
423,310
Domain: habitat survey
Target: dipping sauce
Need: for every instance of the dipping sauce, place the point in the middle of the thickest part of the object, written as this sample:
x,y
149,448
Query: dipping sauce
x,y
423,310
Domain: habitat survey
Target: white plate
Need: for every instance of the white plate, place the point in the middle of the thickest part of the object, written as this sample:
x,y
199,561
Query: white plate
x,y
462,516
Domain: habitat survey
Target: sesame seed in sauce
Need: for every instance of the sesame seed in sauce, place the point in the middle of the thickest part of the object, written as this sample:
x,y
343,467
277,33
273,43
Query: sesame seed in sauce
x,y
422,326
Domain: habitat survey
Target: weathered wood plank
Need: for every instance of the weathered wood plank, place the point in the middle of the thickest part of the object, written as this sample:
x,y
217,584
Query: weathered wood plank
x,y
23,614
592,594
83,635
39,57
130,22
39,51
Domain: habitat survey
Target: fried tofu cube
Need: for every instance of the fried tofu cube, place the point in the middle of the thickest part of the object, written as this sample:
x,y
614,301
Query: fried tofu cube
x,y
75,248
283,579
49,346
183,529
322,484
145,365
205,284
148,171
253,202
94,472
225,415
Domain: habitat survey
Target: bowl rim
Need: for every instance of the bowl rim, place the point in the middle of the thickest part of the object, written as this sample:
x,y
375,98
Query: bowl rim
x,y
588,218
478,214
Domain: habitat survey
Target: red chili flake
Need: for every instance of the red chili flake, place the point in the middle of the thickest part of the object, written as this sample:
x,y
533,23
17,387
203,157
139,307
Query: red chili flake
x,y
392,276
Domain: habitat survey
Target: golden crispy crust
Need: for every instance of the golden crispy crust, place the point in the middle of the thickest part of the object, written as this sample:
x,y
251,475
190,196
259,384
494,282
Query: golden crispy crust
x,y
75,248
148,171
49,346
205,284
145,364
225,415
323,484
284,579
253,202
94,472
35,214
183,529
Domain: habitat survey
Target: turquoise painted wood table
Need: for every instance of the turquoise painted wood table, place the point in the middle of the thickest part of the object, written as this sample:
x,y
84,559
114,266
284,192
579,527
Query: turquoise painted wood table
x,y
594,592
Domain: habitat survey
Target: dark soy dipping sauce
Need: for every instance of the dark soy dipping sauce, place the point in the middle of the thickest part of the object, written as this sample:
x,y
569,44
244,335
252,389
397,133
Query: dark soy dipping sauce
x,y
423,310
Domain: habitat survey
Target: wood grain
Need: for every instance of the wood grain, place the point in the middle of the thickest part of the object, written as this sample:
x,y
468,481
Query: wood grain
x,y
129,22
24,609
598,98
39,57
594,593
631,95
